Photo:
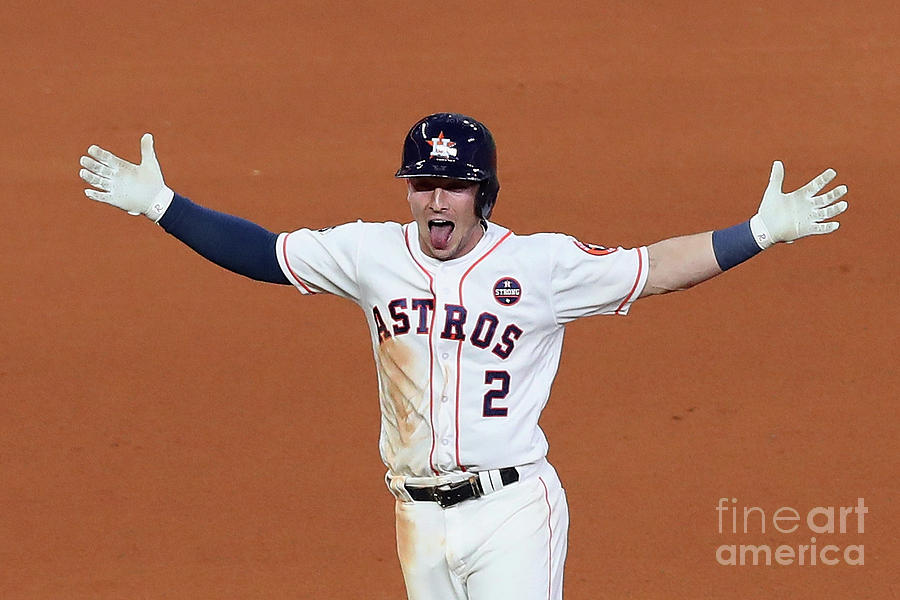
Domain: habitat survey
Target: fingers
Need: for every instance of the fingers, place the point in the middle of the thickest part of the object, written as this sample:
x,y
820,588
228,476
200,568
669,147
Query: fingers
x,y
776,177
821,228
829,197
98,196
820,225
829,212
107,158
147,152
814,186
96,180
100,169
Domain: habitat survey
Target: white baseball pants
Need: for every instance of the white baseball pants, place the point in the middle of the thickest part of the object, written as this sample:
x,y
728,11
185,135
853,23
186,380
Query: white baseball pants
x,y
510,544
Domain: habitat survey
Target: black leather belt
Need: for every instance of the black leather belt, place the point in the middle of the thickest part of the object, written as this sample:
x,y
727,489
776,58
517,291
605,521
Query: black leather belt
x,y
454,493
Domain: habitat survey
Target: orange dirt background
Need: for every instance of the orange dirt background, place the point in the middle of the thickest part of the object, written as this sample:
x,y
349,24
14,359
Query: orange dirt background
x,y
170,430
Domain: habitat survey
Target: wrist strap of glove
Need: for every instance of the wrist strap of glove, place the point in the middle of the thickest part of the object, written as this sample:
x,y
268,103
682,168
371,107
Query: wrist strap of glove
x,y
160,204
760,232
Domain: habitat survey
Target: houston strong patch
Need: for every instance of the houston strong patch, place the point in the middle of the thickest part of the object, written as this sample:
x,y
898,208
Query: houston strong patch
x,y
507,291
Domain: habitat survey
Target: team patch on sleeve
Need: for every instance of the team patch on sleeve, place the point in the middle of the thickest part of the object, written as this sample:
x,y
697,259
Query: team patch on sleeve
x,y
594,249
507,291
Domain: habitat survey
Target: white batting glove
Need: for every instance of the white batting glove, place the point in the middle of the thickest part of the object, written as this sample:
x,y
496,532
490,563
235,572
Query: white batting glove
x,y
787,217
138,189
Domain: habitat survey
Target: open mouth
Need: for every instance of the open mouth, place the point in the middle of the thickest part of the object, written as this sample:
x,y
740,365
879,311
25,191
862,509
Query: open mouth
x,y
440,231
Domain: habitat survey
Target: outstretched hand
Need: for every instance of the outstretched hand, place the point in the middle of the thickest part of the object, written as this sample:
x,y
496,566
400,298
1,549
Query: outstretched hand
x,y
785,217
137,189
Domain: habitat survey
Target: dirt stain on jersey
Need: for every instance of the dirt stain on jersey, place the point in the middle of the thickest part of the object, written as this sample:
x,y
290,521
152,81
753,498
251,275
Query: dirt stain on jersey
x,y
402,396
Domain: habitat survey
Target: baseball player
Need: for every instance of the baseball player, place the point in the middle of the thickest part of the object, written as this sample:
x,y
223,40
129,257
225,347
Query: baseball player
x,y
466,320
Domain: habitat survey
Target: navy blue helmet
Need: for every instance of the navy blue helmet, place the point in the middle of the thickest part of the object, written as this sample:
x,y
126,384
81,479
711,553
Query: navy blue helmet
x,y
457,147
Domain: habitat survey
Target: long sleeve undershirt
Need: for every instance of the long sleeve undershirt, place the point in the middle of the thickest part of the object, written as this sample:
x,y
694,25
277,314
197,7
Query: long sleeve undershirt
x,y
231,242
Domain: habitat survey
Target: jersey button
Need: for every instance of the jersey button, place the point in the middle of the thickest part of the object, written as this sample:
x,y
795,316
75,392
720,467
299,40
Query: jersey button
x,y
445,355
444,398
445,442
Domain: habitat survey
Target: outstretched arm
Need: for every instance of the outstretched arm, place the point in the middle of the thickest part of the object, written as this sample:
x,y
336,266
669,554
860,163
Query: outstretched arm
x,y
682,262
231,242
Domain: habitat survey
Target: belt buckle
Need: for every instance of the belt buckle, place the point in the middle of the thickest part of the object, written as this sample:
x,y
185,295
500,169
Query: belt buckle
x,y
440,493
437,495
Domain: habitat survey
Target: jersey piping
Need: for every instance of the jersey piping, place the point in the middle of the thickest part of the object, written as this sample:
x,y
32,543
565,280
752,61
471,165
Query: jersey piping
x,y
637,280
430,352
550,541
460,346
287,263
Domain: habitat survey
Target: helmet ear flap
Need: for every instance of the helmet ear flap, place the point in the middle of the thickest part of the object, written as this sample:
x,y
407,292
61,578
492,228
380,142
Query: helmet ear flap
x,y
487,197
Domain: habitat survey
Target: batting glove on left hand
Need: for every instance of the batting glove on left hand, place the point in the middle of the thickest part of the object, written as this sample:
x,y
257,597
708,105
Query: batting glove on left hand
x,y
788,217
138,189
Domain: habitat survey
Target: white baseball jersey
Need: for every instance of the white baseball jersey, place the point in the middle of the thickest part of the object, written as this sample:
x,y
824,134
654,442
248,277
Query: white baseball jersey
x,y
466,349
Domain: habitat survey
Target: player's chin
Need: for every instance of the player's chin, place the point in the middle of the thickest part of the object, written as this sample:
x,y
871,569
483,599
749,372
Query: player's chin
x,y
442,253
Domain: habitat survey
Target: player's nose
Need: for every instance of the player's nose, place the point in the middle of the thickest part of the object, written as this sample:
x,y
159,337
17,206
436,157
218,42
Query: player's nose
x,y
438,199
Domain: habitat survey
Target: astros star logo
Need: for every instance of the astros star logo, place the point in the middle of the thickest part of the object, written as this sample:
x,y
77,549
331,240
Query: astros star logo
x,y
442,147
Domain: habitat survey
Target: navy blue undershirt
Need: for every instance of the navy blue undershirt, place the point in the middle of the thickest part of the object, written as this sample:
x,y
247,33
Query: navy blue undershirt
x,y
734,245
231,242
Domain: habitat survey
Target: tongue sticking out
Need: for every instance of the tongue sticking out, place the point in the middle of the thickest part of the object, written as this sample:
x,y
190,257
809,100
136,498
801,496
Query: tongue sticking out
x,y
440,235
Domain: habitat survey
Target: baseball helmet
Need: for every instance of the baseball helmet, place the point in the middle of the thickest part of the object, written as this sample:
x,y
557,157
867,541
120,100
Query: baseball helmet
x,y
456,147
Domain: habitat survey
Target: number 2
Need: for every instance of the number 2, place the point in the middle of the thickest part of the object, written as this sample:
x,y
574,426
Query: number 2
x,y
496,393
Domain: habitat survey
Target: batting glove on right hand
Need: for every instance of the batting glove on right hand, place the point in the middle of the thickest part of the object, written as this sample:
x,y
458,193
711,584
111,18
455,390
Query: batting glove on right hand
x,y
138,189
788,217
